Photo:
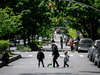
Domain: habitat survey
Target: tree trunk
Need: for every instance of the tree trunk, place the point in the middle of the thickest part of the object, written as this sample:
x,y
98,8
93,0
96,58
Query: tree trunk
x,y
24,38
28,34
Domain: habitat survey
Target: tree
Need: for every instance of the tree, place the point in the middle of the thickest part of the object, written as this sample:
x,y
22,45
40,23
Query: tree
x,y
78,13
9,22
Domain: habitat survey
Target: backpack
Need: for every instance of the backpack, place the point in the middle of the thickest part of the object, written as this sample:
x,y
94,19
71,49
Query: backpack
x,y
40,55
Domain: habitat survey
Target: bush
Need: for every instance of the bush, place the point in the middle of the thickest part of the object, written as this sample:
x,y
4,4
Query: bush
x,y
4,44
27,47
36,44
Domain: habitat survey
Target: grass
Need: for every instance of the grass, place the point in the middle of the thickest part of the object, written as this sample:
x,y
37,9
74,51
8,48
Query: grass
x,y
23,47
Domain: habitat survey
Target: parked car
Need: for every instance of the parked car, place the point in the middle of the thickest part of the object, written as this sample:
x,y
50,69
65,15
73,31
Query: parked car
x,y
22,42
84,44
92,49
97,56
12,43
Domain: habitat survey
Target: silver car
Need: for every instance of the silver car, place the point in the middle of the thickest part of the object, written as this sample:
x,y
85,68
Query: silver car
x,y
84,44
92,49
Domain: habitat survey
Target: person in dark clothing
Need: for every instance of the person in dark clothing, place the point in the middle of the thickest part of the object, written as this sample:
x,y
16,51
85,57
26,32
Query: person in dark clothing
x,y
40,57
5,58
61,42
55,53
67,41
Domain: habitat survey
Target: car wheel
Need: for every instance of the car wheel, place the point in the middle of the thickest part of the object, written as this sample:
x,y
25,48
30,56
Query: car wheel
x,y
95,63
87,56
93,60
98,64
78,51
90,58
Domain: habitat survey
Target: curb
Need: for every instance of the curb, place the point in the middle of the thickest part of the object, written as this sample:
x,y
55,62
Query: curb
x,y
11,60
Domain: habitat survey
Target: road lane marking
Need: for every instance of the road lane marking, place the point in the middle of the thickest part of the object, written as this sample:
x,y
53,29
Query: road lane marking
x,y
29,55
26,52
81,55
71,55
50,55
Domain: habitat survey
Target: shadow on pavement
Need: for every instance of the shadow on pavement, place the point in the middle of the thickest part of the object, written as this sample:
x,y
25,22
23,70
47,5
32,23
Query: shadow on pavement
x,y
26,57
49,74
90,71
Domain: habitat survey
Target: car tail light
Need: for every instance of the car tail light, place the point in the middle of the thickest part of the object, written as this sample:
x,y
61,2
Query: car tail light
x,y
80,44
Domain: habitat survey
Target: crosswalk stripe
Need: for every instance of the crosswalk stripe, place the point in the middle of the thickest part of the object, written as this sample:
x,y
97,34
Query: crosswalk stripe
x,y
71,55
29,55
81,55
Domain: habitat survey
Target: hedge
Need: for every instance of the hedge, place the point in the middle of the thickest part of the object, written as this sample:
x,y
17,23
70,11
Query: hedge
x,y
4,44
36,44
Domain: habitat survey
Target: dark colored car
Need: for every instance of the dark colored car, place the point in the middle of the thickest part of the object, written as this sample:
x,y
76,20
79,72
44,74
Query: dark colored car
x,y
92,49
84,44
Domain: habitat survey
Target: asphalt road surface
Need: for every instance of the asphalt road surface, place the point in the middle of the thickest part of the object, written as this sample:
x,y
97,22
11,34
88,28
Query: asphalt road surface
x,y
28,65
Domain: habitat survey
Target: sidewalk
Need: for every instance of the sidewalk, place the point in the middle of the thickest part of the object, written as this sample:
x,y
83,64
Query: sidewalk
x,y
17,56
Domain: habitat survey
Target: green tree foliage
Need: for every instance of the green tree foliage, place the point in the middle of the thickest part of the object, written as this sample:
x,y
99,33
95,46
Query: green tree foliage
x,y
82,17
9,22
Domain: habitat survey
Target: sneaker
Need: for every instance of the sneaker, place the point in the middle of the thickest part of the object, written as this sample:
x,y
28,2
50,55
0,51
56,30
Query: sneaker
x,y
57,65
68,66
53,66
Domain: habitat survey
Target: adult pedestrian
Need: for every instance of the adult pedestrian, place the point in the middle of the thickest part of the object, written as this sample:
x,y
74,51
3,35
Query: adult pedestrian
x,y
55,53
67,41
40,57
5,58
71,44
61,42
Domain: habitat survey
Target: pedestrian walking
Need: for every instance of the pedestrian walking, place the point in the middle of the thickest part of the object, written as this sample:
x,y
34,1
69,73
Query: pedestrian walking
x,y
55,53
71,44
66,59
61,42
40,57
5,58
67,40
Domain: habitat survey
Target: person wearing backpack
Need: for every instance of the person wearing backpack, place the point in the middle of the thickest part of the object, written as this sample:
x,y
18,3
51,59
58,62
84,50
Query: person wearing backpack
x,y
40,57
55,53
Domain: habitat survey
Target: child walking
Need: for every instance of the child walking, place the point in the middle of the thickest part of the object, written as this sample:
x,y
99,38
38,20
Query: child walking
x,y
40,57
66,59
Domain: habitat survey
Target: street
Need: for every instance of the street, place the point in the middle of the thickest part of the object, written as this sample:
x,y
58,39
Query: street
x,y
28,65
79,64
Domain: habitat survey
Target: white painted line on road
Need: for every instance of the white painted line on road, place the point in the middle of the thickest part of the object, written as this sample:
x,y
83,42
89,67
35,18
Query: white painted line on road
x,y
71,55
50,55
29,55
26,52
81,55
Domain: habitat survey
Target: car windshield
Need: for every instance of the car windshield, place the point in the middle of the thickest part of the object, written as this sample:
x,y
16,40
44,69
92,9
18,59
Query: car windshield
x,y
86,41
98,42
